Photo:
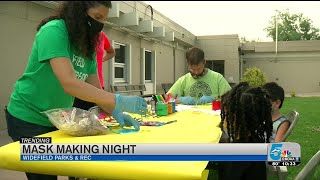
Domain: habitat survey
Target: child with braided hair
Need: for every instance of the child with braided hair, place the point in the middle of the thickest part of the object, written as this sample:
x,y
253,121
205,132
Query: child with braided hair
x,y
246,118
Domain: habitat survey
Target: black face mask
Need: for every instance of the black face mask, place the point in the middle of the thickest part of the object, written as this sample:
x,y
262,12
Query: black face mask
x,y
95,26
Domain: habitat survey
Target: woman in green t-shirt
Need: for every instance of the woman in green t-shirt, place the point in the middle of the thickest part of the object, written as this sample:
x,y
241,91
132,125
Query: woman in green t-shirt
x,y
62,66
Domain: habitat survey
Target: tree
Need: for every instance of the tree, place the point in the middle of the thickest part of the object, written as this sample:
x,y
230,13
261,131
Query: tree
x,y
292,27
245,40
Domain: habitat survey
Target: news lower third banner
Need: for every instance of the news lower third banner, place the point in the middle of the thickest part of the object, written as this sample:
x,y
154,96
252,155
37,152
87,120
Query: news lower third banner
x,y
276,154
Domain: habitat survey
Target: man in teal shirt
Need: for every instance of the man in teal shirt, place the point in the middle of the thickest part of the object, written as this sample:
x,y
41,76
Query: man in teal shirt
x,y
201,85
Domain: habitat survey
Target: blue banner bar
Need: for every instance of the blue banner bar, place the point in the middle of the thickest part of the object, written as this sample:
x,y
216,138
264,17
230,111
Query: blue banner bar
x,y
143,157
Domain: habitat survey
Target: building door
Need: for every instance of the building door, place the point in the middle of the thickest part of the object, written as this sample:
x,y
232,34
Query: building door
x,y
148,73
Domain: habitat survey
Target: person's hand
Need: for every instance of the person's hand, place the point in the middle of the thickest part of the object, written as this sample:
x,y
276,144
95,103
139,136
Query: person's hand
x,y
131,104
125,120
188,100
205,100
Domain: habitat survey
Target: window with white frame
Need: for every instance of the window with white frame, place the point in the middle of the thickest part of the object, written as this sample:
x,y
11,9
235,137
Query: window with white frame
x,y
120,61
148,66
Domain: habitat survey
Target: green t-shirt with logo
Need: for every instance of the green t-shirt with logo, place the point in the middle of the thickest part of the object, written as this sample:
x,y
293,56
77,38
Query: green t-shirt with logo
x,y
38,89
211,84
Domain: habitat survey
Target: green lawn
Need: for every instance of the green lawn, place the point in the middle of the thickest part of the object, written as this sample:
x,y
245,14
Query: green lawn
x,y
307,131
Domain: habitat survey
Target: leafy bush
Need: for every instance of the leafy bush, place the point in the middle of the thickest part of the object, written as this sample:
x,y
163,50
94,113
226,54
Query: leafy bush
x,y
293,93
254,76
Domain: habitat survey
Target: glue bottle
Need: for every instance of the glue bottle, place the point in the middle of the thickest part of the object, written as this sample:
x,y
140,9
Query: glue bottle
x,y
153,107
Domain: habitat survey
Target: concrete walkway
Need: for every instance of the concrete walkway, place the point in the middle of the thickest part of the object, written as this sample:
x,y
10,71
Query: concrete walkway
x,y
316,94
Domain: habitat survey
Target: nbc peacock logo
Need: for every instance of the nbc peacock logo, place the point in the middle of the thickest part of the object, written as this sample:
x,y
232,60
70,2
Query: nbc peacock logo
x,y
286,154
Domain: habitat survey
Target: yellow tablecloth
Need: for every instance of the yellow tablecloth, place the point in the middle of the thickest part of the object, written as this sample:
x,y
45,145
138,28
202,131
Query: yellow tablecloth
x,y
191,127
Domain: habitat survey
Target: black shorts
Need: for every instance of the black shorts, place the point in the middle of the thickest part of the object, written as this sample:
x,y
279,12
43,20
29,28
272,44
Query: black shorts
x,y
85,105
18,128
242,170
